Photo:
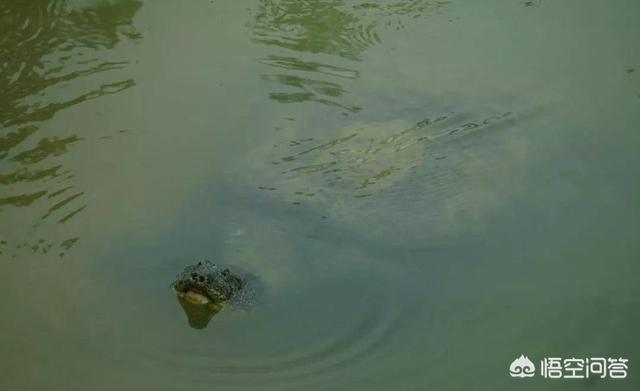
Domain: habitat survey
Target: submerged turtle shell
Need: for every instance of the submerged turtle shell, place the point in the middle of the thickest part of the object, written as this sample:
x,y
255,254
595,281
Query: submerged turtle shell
x,y
363,160
390,179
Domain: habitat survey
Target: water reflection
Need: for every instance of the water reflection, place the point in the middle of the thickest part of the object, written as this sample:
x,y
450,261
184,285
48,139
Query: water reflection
x,y
314,26
47,47
198,315
337,29
294,64
410,8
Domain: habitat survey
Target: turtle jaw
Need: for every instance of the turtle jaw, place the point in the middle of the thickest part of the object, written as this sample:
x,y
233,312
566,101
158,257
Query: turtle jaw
x,y
197,293
194,297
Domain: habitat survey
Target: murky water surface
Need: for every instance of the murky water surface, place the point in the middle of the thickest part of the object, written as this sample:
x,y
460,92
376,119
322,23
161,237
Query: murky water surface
x,y
425,190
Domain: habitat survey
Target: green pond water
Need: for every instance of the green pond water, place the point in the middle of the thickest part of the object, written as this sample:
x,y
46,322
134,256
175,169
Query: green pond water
x,y
425,190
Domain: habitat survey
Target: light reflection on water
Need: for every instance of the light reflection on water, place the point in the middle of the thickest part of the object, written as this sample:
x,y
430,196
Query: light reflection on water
x,y
419,186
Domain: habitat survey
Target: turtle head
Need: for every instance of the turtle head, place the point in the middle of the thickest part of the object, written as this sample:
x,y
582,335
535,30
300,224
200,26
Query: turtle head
x,y
202,289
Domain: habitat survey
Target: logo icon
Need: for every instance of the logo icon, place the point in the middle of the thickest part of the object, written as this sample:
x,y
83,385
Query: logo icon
x,y
522,367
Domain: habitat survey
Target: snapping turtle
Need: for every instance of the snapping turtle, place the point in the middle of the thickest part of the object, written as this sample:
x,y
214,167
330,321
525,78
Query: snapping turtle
x,y
203,288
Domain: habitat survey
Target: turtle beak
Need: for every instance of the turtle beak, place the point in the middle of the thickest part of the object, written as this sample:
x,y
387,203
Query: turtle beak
x,y
198,315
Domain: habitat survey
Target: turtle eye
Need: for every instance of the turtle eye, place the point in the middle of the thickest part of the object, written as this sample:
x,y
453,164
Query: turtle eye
x,y
201,278
194,276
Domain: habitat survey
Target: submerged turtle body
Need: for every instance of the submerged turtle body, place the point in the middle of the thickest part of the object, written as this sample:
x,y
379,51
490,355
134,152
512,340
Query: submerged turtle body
x,y
364,159
203,288
356,162
389,180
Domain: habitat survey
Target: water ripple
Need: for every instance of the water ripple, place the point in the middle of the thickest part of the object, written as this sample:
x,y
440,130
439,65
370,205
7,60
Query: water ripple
x,y
321,352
